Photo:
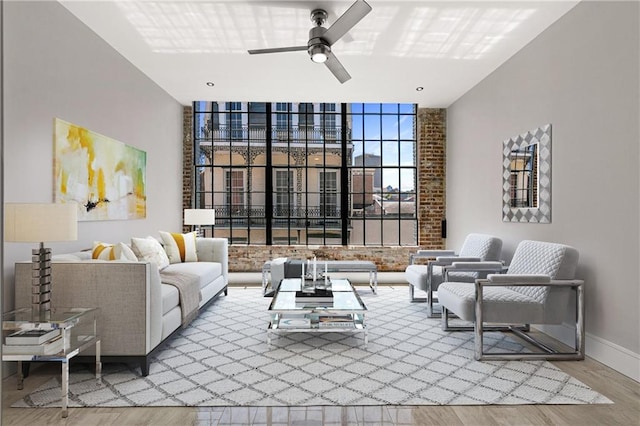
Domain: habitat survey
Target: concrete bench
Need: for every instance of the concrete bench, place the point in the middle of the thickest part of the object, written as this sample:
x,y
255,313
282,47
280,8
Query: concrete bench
x,y
334,266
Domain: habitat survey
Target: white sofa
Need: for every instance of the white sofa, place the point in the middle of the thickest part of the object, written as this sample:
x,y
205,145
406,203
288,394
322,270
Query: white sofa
x,y
138,310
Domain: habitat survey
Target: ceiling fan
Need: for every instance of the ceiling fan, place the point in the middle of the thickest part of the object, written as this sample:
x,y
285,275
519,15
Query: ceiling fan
x,y
321,39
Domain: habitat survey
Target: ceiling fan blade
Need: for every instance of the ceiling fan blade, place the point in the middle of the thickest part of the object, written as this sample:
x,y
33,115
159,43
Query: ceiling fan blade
x,y
348,20
336,68
277,50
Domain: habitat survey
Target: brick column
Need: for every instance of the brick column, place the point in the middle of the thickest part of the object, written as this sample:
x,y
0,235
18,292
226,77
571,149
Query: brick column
x,y
187,159
432,126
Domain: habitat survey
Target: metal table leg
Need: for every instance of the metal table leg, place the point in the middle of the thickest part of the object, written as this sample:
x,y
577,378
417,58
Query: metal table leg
x,y
65,388
98,364
20,376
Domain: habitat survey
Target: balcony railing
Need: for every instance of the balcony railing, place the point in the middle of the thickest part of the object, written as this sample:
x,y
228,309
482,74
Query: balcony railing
x,y
298,134
297,217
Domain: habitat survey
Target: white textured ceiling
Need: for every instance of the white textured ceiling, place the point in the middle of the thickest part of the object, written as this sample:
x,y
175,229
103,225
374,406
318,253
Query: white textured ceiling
x,y
446,47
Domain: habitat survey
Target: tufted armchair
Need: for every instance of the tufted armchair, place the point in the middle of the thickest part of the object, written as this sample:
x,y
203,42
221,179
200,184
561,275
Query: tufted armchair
x,y
475,248
535,290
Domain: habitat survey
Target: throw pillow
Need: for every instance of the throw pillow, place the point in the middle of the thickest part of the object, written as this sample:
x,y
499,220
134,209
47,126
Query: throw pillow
x,y
106,251
180,247
127,253
150,250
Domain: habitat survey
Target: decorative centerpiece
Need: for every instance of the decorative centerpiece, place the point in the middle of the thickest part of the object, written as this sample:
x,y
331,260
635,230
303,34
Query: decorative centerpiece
x,y
315,286
313,278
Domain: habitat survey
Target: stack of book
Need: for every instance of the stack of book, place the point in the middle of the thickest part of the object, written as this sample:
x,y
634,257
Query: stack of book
x,y
336,321
315,298
33,342
294,322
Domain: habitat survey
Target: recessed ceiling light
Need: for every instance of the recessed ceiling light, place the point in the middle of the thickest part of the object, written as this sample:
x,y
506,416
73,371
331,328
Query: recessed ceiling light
x,y
419,89
210,83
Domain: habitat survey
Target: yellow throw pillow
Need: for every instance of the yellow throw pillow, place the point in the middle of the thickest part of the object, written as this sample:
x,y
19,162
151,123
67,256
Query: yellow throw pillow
x,y
105,251
180,247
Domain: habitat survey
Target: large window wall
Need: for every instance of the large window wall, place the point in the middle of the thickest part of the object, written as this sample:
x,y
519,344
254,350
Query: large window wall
x,y
305,173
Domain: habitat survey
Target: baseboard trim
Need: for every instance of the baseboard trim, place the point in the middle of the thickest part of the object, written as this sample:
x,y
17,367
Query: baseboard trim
x,y
614,356
610,354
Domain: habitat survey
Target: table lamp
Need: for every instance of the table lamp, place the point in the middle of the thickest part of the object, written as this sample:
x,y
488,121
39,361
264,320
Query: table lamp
x,y
40,223
198,217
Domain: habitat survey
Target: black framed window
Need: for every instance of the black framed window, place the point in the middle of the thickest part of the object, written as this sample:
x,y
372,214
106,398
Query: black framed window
x,y
304,173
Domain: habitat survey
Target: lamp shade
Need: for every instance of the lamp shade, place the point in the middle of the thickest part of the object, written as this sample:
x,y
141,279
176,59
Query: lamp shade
x,y
32,223
199,217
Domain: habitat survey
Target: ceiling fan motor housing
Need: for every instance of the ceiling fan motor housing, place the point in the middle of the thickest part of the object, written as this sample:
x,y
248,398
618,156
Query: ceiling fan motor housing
x,y
318,47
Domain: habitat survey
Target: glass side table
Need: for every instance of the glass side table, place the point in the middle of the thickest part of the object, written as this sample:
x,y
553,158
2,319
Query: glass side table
x,y
78,331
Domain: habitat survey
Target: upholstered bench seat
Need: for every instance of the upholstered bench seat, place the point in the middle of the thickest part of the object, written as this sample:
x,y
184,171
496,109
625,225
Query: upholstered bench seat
x,y
335,266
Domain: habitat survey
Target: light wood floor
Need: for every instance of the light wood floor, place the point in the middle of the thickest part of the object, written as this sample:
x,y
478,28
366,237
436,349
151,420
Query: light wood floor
x,y
624,392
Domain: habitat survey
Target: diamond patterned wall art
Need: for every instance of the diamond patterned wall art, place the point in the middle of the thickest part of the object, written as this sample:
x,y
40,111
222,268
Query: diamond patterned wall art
x,y
527,200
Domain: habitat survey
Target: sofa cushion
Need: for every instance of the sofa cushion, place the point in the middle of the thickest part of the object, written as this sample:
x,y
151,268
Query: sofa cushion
x,y
150,250
105,251
206,271
170,298
180,247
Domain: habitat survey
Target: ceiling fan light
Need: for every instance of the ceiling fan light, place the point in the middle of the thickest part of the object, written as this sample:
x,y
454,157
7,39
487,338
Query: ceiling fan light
x,y
319,53
319,57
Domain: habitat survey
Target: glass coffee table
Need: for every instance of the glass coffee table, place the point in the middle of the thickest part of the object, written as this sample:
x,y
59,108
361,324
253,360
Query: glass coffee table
x,y
345,314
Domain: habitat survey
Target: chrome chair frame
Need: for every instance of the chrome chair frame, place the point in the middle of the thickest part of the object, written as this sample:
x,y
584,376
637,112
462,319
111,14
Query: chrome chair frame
x,y
548,353
476,247
427,254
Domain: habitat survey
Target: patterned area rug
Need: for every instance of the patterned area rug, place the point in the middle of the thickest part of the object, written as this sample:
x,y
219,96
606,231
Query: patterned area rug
x,y
222,359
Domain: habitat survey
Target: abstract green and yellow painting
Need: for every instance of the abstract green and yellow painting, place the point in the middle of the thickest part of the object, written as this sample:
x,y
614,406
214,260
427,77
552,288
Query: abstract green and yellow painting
x,y
107,178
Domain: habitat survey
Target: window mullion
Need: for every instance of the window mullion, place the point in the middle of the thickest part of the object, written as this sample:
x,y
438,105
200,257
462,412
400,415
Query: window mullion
x,y
344,180
268,195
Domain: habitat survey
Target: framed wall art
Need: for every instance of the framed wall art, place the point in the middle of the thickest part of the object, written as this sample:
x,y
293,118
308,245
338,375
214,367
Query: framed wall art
x,y
526,177
105,177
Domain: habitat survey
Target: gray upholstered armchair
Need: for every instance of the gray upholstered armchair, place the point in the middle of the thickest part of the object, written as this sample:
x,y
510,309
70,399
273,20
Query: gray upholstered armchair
x,y
427,277
535,290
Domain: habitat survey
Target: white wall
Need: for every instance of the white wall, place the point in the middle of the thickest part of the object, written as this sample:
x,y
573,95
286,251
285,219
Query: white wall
x,y
581,75
54,66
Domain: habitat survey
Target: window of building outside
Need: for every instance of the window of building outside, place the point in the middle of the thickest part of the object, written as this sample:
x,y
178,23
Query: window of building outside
x,y
307,173
523,178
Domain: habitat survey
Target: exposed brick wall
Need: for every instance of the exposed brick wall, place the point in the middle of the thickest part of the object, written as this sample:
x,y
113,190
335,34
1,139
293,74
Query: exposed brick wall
x,y
431,130
251,258
187,159
432,125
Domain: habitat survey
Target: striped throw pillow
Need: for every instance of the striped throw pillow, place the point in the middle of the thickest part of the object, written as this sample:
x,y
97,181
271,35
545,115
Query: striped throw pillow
x,y
180,247
105,251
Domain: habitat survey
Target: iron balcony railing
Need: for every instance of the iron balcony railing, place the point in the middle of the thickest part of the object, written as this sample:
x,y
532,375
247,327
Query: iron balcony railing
x,y
294,217
312,217
293,134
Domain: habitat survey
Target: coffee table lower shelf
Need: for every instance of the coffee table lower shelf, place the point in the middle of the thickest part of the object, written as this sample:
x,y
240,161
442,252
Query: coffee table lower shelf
x,y
355,324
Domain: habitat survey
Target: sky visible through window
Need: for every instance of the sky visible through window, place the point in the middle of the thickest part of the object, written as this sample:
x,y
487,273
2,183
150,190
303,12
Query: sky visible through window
x,y
379,135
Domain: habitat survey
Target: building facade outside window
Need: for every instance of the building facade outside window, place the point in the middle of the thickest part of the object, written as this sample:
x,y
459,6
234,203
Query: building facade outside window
x,y
304,173
283,189
283,118
234,191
